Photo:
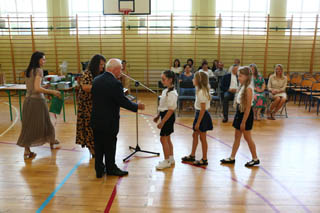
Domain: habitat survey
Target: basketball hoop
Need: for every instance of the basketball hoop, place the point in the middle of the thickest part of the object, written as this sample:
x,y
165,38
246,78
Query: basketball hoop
x,y
125,11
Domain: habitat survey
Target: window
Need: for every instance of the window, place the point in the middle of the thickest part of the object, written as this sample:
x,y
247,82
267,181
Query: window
x,y
161,11
304,15
91,18
20,19
233,12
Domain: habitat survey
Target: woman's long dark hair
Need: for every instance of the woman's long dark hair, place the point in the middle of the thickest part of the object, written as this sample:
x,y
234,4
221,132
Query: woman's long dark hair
x,y
174,63
34,62
94,64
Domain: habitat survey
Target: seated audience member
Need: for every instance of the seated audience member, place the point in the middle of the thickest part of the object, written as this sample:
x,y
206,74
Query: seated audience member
x,y
215,64
203,61
237,62
177,69
218,73
190,62
259,101
206,69
185,81
229,86
186,75
277,91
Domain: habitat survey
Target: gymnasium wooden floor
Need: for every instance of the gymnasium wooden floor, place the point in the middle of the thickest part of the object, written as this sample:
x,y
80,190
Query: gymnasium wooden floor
x,y
64,180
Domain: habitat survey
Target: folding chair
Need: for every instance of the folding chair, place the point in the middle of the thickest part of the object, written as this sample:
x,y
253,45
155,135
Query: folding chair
x,y
187,92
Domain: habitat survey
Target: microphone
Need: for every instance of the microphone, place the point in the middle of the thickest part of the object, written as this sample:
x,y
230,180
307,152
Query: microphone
x,y
137,83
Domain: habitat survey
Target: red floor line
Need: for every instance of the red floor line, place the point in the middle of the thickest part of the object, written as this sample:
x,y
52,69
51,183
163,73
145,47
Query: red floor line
x,y
114,191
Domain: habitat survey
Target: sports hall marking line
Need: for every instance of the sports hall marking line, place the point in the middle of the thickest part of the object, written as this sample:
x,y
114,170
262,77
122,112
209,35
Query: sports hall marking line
x,y
14,122
264,199
44,147
305,208
150,200
114,191
49,198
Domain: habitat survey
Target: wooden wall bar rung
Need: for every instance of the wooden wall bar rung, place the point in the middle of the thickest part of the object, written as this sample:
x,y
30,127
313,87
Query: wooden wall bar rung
x,y
266,48
123,37
219,38
32,35
148,54
195,41
243,40
12,53
171,41
55,44
290,46
78,44
314,45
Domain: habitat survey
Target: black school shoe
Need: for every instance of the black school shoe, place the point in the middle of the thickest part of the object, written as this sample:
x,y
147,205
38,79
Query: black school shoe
x,y
100,174
228,161
201,163
117,172
252,163
188,158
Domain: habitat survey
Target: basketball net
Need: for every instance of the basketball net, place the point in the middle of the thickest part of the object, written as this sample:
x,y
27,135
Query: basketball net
x,y
125,11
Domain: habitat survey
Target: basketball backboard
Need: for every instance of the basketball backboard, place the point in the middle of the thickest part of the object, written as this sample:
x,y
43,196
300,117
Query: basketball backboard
x,y
116,7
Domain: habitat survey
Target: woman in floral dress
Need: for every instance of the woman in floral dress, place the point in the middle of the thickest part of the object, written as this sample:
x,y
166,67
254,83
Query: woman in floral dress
x,y
84,132
259,101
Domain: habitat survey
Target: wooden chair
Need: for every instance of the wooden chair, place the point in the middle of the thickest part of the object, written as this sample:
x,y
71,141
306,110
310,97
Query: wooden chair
x,y
305,87
318,104
307,75
312,94
284,107
294,86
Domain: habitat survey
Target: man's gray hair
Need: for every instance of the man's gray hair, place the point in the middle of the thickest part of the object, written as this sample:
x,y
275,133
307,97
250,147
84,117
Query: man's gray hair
x,y
113,62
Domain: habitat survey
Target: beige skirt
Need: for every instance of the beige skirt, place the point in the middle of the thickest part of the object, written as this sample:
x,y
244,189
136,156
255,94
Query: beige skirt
x,y
37,128
283,94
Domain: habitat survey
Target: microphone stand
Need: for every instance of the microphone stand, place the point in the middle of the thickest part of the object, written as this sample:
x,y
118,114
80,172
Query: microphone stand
x,y
137,148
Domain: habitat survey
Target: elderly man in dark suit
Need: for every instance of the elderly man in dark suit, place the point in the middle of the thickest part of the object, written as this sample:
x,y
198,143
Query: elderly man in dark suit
x,y
229,86
107,98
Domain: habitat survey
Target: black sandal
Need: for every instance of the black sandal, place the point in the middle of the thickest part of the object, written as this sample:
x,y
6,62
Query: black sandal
x,y
29,155
201,163
252,163
188,158
228,161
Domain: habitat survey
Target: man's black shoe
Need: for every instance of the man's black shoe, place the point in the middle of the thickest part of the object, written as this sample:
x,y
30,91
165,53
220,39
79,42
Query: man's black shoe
x,y
117,172
225,120
100,174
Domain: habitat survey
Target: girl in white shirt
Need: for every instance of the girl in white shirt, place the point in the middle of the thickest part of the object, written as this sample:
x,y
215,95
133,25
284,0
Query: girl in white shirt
x,y
167,106
243,120
202,122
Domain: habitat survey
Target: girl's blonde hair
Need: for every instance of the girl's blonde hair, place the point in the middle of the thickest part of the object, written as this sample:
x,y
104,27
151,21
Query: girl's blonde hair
x,y
243,99
202,80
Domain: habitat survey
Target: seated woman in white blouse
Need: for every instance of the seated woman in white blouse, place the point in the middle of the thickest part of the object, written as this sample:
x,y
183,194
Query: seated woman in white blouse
x,y
177,69
277,91
206,69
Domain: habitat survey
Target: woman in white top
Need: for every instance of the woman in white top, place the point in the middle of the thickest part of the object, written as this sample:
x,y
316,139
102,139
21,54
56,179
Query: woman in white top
x,y
202,121
167,106
177,69
277,85
206,69
243,120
